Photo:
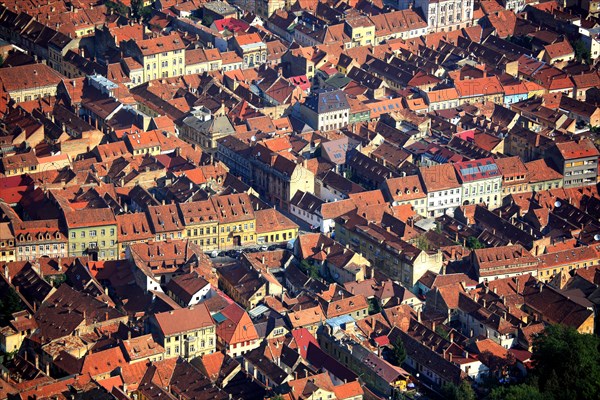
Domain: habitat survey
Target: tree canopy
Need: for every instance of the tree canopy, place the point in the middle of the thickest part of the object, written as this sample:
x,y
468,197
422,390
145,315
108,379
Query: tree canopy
x,y
464,391
9,304
517,392
398,352
566,366
567,363
474,243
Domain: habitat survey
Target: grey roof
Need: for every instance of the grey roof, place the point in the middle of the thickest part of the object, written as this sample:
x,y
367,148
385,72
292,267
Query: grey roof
x,y
338,81
307,202
324,101
219,124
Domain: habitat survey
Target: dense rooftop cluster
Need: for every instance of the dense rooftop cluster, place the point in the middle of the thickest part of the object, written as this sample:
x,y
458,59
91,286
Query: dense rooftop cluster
x,y
293,199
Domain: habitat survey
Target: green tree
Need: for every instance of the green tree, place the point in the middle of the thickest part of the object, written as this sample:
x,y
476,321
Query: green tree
x,y
442,332
423,243
464,391
474,243
518,392
398,352
374,307
118,7
581,52
567,363
10,303
310,269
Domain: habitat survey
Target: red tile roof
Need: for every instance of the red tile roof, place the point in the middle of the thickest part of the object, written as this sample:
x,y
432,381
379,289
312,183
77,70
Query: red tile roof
x,y
559,49
439,177
572,150
161,44
184,320
32,76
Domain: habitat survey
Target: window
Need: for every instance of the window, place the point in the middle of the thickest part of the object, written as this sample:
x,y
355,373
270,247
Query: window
x,y
93,233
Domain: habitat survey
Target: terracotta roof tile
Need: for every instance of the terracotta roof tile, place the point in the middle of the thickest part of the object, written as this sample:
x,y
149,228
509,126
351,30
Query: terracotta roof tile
x,y
184,320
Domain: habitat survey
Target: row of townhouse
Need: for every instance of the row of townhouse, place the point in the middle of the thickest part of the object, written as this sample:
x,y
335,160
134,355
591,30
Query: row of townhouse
x,y
441,188
219,223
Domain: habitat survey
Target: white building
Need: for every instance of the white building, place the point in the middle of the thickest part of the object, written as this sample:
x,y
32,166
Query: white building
x,y
326,110
481,182
443,190
307,207
446,15
591,39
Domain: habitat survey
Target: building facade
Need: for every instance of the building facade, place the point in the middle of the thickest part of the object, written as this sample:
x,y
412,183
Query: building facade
x,y
326,110
186,333
160,57
446,15
481,182
577,162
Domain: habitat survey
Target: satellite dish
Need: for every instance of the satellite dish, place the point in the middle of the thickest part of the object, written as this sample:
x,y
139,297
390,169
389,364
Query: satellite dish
x,y
597,236
459,227
253,138
557,203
